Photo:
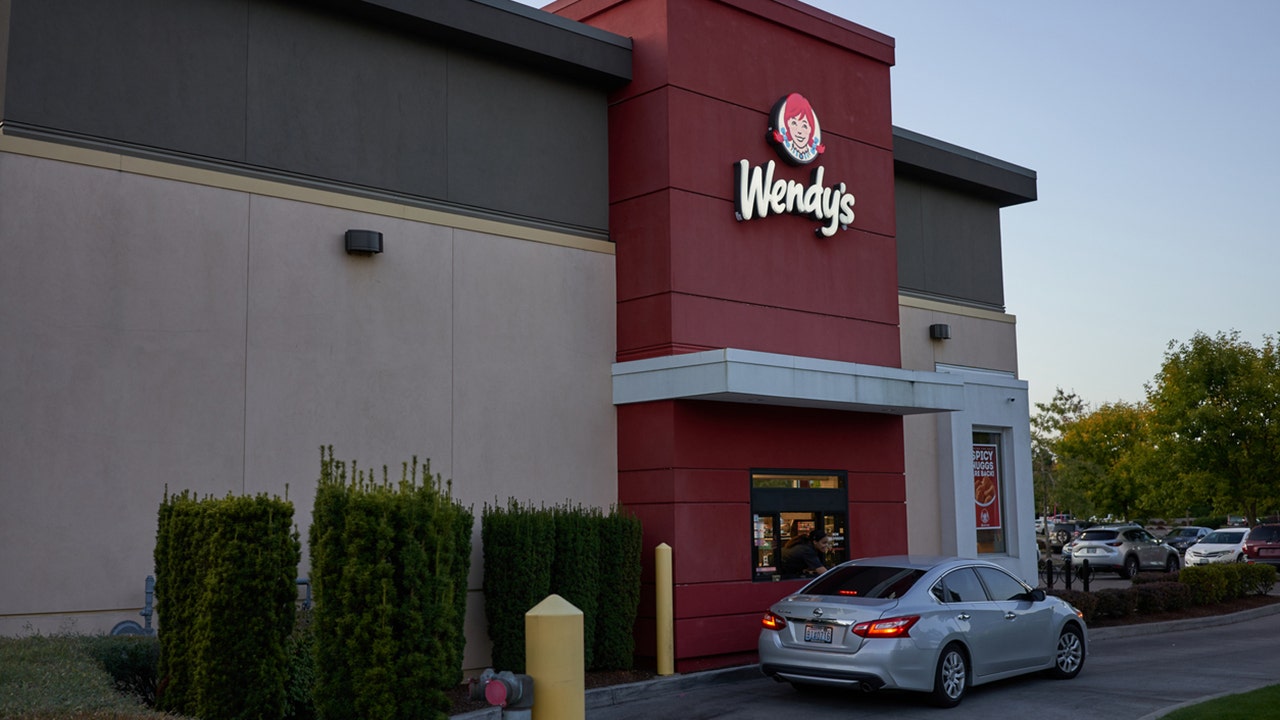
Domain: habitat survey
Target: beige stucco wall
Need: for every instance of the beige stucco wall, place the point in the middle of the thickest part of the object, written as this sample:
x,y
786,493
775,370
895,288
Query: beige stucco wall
x,y
980,339
164,327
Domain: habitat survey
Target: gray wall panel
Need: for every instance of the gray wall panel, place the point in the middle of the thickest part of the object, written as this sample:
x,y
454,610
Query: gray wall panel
x,y
948,244
526,143
156,73
341,92
357,104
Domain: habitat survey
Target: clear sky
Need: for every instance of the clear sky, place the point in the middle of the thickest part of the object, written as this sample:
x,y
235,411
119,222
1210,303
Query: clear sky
x,y
1154,129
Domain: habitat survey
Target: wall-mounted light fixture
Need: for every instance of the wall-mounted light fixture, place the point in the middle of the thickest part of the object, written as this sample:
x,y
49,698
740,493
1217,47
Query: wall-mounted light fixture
x,y
939,331
364,242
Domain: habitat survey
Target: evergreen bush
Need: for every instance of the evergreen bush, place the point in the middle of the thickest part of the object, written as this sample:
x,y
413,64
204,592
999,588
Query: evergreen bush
x,y
226,574
575,567
519,548
619,602
389,570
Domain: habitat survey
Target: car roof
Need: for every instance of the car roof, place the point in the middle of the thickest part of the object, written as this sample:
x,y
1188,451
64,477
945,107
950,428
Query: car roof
x,y
917,562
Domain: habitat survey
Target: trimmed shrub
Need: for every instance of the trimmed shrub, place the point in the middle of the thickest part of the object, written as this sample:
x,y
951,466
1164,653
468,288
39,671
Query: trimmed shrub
x,y
1262,578
519,549
299,704
1155,597
575,567
1208,583
132,661
1162,577
226,574
1116,602
389,568
620,546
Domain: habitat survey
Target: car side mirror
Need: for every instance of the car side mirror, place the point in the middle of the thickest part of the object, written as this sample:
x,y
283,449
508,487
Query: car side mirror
x,y
1036,595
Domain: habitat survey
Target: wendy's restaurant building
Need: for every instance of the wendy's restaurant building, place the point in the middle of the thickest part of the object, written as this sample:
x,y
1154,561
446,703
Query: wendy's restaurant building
x,y
670,255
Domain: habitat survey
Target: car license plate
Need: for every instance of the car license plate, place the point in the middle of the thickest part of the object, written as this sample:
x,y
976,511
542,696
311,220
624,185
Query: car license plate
x,y
1090,551
818,633
1269,551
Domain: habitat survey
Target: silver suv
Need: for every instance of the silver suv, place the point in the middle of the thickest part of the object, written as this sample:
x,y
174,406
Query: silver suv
x,y
1124,549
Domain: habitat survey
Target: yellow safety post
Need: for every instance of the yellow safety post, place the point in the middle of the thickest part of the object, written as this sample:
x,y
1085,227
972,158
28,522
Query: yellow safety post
x,y
553,656
666,629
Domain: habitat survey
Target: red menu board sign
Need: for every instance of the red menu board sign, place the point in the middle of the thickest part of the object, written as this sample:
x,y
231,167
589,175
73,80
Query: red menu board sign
x,y
986,487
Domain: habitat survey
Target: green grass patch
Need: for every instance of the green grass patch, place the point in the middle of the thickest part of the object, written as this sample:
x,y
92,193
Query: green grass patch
x,y
1259,703
55,677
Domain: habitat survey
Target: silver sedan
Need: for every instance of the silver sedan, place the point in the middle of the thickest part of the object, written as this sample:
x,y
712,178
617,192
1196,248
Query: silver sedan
x,y
929,624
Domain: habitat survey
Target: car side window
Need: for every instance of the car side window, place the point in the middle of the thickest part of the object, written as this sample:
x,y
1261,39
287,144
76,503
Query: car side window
x,y
1001,585
959,586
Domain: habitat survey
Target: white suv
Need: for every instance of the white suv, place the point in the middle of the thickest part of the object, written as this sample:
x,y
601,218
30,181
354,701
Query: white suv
x,y
1124,549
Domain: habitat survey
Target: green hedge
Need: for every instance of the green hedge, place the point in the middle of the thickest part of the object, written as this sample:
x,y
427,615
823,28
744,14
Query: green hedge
x,y
389,571
1228,581
620,546
226,574
1195,585
519,548
590,559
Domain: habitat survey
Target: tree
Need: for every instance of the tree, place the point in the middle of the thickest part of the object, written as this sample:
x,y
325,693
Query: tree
x,y
1107,454
1046,428
1214,411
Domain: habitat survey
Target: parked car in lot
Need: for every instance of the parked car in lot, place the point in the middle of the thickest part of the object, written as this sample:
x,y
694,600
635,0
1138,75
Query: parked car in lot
x,y
1263,545
1224,545
1184,537
933,625
1123,549
1060,533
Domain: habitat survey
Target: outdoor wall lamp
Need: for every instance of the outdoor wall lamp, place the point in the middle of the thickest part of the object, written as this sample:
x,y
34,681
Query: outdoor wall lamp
x,y
939,331
364,242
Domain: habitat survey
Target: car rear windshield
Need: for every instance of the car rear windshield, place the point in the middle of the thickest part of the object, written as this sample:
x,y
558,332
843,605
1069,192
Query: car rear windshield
x,y
1098,535
868,581
1265,533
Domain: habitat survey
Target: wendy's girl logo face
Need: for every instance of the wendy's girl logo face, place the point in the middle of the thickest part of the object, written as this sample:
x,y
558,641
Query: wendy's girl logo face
x,y
794,131
764,189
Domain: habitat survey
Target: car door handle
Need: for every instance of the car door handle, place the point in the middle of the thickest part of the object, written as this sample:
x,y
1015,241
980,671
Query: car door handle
x,y
1010,616
962,616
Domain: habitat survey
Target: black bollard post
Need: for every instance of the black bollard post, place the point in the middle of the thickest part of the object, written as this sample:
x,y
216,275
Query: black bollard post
x,y
1048,573
1066,573
1086,574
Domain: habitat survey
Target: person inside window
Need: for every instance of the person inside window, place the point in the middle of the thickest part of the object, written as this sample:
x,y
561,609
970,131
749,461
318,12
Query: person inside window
x,y
804,555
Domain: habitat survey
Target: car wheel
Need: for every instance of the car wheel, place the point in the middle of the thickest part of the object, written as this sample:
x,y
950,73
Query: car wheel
x,y
1069,656
1241,558
951,679
1171,563
1130,567
1061,537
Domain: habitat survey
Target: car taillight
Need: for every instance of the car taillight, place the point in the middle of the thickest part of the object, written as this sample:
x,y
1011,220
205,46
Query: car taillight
x,y
891,628
772,621
1116,543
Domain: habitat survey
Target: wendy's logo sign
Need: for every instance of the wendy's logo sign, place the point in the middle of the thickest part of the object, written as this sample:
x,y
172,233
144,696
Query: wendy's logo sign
x,y
795,134
794,130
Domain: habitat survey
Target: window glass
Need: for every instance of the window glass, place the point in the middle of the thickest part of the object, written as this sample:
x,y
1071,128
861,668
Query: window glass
x,y
787,506
962,586
989,503
869,581
1001,585
1098,535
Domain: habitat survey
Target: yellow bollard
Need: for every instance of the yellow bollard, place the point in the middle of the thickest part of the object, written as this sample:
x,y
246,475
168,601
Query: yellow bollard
x,y
666,630
553,656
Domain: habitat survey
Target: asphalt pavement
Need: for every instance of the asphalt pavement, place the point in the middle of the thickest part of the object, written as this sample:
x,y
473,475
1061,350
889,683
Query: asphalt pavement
x,y
1138,672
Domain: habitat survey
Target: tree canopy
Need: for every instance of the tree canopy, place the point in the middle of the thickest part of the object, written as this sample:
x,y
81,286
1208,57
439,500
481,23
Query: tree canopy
x,y
1207,436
